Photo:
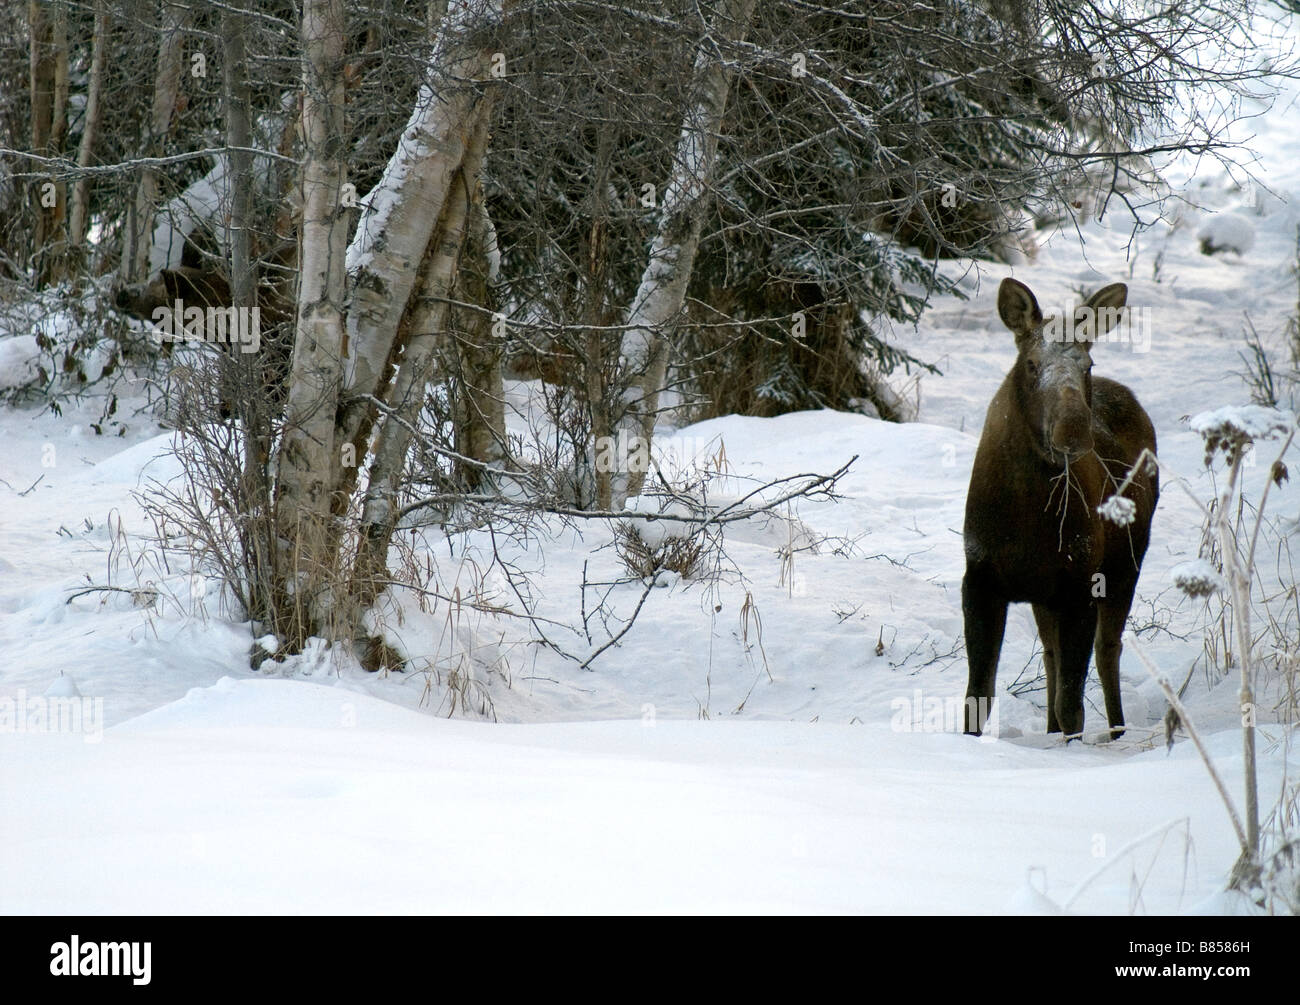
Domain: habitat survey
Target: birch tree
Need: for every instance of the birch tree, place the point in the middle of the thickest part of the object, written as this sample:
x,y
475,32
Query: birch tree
x,y
662,294
400,216
303,502
422,357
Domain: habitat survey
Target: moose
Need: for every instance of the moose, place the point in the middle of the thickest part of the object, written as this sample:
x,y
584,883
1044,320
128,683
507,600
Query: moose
x,y
200,281
1057,442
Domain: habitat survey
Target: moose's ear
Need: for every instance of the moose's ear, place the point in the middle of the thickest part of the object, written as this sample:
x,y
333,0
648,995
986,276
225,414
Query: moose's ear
x,y
1113,296
1018,309
1099,313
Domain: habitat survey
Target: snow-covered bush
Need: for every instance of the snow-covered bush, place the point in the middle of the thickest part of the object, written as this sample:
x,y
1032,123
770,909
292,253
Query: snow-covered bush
x,y
64,342
1226,232
662,539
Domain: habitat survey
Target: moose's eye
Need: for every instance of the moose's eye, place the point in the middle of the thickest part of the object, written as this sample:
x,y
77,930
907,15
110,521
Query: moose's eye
x,y
1031,368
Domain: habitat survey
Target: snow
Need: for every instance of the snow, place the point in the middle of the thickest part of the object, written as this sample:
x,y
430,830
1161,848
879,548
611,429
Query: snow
x,y
663,816
1226,232
596,791
202,203
62,687
1247,422
55,320
738,751
654,532
20,357
492,252
1118,510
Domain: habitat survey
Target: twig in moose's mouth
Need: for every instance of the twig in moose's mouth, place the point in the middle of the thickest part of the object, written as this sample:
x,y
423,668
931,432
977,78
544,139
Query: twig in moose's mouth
x,y
1064,507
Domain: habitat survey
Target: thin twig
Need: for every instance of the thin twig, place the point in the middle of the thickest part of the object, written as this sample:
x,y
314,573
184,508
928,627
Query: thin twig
x,y
1167,688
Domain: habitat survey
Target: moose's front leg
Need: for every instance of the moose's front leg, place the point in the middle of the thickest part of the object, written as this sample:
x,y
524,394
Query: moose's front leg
x,y
1076,627
984,610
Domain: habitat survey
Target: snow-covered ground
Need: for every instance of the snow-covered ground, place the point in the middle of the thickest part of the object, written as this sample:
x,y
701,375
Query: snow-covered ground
x,y
763,743
275,795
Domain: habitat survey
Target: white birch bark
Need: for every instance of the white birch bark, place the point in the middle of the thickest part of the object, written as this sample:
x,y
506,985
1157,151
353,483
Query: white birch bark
x,y
303,501
662,292
420,361
402,211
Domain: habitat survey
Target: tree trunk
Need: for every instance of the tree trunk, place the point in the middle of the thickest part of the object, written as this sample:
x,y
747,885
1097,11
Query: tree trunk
x,y
401,214
597,355
662,293
479,406
89,133
241,371
59,113
138,233
303,501
236,102
48,83
421,360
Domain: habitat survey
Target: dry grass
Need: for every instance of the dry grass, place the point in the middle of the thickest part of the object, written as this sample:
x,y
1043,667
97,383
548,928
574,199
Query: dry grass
x,y
682,555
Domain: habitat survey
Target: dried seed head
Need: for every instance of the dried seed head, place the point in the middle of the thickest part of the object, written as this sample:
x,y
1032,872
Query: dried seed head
x,y
1197,578
1118,510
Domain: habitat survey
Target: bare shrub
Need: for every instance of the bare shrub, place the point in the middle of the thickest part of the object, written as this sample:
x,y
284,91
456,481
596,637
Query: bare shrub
x,y
1235,433
682,555
1273,361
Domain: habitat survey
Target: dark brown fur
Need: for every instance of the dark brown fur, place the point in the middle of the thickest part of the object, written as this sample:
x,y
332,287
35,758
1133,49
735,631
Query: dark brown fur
x,y
195,287
199,283
1056,443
